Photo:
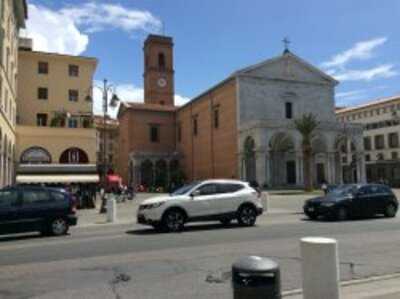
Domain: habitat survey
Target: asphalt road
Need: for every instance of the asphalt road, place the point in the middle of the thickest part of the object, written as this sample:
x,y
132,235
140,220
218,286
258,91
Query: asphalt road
x,y
134,262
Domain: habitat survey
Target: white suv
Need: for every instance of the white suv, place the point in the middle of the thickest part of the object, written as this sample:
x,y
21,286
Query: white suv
x,y
209,200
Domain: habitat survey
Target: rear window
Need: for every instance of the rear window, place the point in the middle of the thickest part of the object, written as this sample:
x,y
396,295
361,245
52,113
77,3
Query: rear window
x,y
229,188
58,196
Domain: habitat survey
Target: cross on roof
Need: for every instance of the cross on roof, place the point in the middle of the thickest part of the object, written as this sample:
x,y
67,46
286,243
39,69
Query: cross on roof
x,y
286,43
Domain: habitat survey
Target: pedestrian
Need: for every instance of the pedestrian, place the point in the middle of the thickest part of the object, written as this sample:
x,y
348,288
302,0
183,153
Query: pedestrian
x,y
324,187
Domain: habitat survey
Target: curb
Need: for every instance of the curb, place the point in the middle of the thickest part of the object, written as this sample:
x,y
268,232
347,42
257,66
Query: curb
x,y
100,224
348,283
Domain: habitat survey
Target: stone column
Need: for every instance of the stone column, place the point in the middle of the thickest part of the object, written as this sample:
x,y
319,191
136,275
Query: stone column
x,y
260,167
361,173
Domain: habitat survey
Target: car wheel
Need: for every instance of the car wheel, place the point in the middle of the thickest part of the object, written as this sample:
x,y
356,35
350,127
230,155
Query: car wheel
x,y
225,222
58,227
247,215
390,211
312,216
341,214
174,220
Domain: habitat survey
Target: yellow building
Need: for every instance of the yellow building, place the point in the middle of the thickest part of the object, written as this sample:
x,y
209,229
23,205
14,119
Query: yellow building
x,y
12,18
54,114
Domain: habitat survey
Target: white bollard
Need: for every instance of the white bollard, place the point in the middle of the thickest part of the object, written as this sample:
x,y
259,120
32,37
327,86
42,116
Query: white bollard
x,y
320,268
111,210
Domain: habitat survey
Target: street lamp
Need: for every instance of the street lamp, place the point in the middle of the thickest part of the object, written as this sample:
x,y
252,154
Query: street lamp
x,y
106,90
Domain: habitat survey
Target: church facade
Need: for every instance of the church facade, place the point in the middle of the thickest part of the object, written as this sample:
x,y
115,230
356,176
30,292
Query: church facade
x,y
243,127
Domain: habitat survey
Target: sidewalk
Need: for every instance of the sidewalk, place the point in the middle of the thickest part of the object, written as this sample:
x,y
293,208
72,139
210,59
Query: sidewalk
x,y
384,287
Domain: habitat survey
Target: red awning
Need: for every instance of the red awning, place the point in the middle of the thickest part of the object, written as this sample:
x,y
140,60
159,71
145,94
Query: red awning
x,y
112,178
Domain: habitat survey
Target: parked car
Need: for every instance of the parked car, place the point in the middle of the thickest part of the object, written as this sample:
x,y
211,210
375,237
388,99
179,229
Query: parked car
x,y
210,200
354,200
28,209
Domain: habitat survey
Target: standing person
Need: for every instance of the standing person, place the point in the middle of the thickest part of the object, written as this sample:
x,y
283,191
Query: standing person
x,y
324,187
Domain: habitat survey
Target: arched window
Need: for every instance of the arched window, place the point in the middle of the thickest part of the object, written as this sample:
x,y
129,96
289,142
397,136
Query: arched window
x,y
74,155
161,61
35,155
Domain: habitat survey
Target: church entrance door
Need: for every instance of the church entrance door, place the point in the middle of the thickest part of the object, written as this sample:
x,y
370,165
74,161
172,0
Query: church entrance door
x,y
291,172
320,173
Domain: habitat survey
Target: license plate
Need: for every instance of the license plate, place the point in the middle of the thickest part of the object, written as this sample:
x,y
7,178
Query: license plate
x,y
310,209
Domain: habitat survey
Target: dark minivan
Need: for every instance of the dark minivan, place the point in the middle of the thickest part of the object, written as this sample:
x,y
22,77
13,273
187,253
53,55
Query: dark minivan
x,y
50,211
354,200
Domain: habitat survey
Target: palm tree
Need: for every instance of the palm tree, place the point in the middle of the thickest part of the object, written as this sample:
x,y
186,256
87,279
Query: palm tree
x,y
306,126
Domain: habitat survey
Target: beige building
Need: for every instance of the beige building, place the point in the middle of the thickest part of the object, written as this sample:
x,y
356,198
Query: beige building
x,y
54,115
12,18
381,121
108,134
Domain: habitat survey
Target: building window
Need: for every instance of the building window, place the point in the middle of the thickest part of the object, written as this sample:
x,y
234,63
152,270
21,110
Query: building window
x,y
393,140
73,70
379,142
395,155
154,133
367,143
73,95
195,128
41,119
380,157
367,157
179,132
161,61
288,110
42,93
72,123
43,67
216,118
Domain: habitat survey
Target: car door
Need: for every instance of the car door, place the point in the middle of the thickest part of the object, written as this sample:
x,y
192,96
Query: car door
x,y
203,202
362,204
35,208
9,205
229,197
382,198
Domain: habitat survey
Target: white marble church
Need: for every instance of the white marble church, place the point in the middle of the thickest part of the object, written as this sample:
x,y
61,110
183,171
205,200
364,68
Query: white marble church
x,y
271,95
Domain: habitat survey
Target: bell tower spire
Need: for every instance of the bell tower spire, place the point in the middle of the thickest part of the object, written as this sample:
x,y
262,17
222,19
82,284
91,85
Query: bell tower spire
x,y
158,70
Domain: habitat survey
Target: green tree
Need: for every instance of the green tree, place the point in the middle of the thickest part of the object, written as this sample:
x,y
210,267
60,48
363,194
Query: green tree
x,y
306,125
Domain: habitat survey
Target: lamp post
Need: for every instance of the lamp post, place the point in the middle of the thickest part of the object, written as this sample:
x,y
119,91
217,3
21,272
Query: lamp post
x,y
106,90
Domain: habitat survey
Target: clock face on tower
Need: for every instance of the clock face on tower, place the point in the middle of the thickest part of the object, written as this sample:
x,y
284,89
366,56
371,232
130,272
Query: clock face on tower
x,y
161,82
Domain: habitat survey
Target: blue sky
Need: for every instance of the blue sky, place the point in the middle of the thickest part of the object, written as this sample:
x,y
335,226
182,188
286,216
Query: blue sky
x,y
355,41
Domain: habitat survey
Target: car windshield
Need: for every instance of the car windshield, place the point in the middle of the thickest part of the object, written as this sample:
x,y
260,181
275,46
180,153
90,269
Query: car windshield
x,y
344,190
184,189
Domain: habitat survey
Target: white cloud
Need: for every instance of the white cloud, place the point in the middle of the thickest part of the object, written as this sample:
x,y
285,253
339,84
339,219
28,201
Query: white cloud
x,y
381,71
98,17
350,95
127,93
54,32
361,51
67,30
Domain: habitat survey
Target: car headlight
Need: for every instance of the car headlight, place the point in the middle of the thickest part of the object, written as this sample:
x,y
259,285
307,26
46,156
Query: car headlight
x,y
327,204
150,206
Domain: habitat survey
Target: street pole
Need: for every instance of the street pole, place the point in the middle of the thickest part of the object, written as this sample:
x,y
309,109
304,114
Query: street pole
x,y
104,176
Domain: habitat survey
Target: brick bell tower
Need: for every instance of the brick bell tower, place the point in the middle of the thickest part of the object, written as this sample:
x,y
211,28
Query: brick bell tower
x,y
158,70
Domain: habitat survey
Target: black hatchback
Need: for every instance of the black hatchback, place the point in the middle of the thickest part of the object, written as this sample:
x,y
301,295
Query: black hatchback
x,y
50,211
349,201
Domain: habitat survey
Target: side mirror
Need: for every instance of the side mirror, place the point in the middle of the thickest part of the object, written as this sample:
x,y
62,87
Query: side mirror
x,y
195,193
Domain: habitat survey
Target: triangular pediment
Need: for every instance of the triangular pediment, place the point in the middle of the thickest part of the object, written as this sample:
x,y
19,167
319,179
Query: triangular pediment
x,y
288,67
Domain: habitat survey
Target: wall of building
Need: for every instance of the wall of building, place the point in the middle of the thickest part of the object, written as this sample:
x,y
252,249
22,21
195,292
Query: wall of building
x,y
213,152
11,19
135,134
56,141
57,81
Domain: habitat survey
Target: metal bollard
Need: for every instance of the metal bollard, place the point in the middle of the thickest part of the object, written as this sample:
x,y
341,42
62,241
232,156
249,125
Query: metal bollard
x,y
265,201
256,277
111,210
320,268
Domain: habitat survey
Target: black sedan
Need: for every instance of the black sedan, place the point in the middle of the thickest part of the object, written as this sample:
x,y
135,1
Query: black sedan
x,y
349,201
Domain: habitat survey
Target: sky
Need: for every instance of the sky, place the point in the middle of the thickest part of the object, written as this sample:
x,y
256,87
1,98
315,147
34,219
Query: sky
x,y
357,42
